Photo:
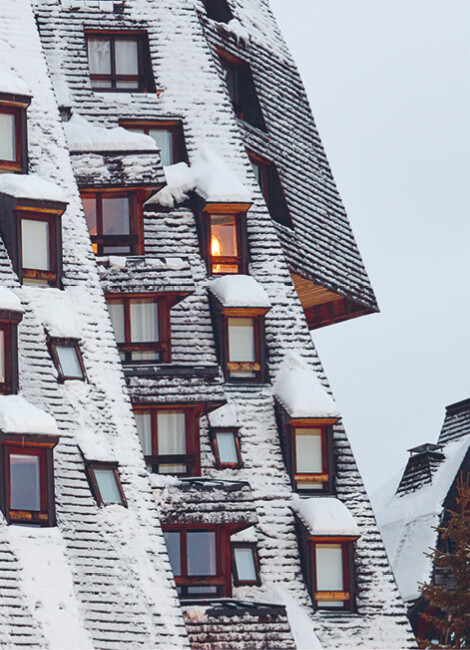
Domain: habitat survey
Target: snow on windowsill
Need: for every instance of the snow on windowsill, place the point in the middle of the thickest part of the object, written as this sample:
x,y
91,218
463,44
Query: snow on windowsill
x,y
325,516
239,291
30,186
10,301
19,416
11,84
299,391
84,136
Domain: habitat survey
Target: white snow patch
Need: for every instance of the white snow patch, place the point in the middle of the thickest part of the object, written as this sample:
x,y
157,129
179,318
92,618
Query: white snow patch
x,y
300,622
175,263
93,445
9,300
239,291
19,416
48,585
85,136
117,261
235,27
57,310
11,84
300,392
30,186
225,416
325,516
196,614
245,535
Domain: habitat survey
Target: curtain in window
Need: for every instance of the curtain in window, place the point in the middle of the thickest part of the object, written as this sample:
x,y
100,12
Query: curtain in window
x,y
201,553
171,432
241,339
329,563
308,451
116,313
173,545
116,220
35,244
144,321
99,56
89,207
144,427
164,141
7,137
24,482
127,62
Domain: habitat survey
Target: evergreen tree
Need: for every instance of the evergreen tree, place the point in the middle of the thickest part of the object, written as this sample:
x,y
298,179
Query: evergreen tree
x,y
452,559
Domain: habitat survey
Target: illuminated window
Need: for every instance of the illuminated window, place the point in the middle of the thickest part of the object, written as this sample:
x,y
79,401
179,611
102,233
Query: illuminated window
x,y
105,483
224,240
67,358
168,136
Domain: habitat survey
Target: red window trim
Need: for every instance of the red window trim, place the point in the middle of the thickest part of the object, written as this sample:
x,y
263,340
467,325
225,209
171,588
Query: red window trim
x,y
135,238
347,595
163,345
144,76
52,342
51,277
325,476
19,113
236,581
10,331
192,458
90,466
175,126
258,367
215,448
238,211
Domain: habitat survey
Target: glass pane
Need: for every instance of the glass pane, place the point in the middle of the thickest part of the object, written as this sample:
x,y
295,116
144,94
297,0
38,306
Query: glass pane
x,y
241,339
108,485
144,321
171,427
246,567
99,57
164,141
144,427
35,244
223,236
227,447
204,589
139,355
126,52
116,313
257,171
100,83
130,85
173,545
68,359
89,207
166,468
24,482
7,137
2,356
308,451
230,74
329,565
116,219
201,553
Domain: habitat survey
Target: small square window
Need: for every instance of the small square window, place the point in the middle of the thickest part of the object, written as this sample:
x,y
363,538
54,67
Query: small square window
x,y
245,564
119,62
105,483
67,358
168,136
226,447
241,90
39,248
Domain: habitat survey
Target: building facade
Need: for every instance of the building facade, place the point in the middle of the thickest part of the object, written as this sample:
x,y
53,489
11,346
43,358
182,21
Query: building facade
x,y
176,473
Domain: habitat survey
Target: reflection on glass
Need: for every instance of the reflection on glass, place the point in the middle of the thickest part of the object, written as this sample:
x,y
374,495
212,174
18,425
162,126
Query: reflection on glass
x,y
201,553
246,567
108,485
116,220
35,244
227,447
308,451
24,482
173,545
144,427
144,321
7,137
116,313
69,362
89,207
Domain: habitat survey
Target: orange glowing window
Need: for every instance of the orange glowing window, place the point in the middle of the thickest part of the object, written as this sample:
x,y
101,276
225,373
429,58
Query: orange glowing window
x,y
224,244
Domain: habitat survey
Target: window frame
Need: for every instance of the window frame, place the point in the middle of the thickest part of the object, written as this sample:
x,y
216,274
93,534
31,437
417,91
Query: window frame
x,y
9,325
144,75
179,153
324,477
236,580
90,466
218,464
163,345
272,189
18,110
222,579
135,238
52,342
347,554
258,366
51,278
192,458
31,445
238,211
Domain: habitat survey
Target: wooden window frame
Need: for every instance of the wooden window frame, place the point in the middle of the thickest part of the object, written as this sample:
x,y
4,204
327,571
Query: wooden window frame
x,y
135,238
325,476
215,447
163,345
192,458
272,190
238,211
180,153
20,164
9,326
90,466
236,580
52,277
222,579
218,10
347,595
245,101
31,445
144,76
52,342
258,366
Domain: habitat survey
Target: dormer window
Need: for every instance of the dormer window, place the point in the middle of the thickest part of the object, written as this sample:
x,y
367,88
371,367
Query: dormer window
x,y
310,446
218,10
113,219
224,238
168,136
241,90
9,319
141,324
13,133
331,584
270,185
119,61
105,483
67,358
38,248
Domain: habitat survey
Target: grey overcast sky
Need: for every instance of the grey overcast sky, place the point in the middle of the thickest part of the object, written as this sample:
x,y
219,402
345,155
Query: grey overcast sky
x,y
389,86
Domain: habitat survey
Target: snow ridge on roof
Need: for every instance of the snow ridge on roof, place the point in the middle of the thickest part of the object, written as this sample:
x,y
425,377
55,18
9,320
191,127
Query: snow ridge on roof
x,y
17,415
325,516
299,391
82,135
30,186
239,291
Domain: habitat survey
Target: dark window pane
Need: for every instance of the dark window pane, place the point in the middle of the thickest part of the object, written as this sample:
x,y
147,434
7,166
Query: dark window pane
x,y
173,545
201,553
108,485
24,482
116,216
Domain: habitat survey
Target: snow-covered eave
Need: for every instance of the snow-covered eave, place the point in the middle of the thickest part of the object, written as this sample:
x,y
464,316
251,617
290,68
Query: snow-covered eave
x,y
224,206
324,516
31,190
18,99
240,292
295,418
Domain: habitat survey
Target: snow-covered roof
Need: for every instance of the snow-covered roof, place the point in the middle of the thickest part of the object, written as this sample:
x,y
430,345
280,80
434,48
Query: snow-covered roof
x,y
298,389
82,135
225,416
407,521
325,516
94,445
239,291
30,186
17,415
11,84
57,310
10,301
